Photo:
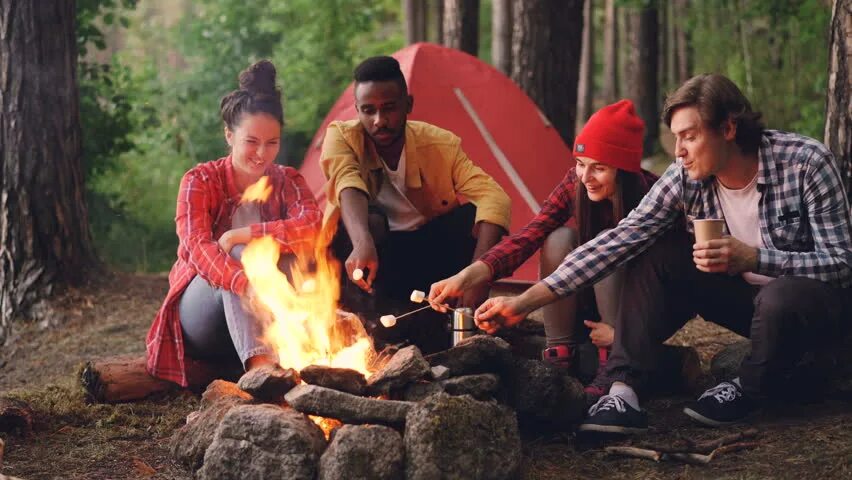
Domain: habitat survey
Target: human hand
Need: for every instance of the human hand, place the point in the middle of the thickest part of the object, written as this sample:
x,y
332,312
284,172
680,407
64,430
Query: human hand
x,y
499,312
602,335
363,257
226,241
474,276
726,254
475,296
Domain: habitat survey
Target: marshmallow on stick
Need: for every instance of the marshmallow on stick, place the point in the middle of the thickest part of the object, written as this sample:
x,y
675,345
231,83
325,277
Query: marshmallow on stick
x,y
357,274
388,320
417,296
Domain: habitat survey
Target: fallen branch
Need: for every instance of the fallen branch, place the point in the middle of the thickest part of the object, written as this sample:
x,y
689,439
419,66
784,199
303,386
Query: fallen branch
x,y
693,458
705,447
635,453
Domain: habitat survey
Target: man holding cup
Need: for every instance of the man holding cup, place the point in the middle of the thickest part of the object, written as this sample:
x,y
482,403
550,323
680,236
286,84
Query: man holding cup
x,y
770,258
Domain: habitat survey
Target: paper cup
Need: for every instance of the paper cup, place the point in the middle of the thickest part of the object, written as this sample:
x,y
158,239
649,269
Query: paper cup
x,y
708,229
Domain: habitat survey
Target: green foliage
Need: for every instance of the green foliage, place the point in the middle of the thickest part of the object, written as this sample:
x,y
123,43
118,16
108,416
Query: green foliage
x,y
775,50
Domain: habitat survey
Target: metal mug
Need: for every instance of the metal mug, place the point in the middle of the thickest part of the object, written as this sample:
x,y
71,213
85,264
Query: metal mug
x,y
463,324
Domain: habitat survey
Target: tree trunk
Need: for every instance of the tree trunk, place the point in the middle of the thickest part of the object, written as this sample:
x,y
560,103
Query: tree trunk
x,y
461,25
437,21
501,35
648,80
684,67
43,224
414,12
838,108
609,90
546,56
585,89
671,47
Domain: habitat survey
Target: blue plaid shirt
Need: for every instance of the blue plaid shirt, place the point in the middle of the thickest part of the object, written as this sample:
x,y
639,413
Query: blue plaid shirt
x,y
804,215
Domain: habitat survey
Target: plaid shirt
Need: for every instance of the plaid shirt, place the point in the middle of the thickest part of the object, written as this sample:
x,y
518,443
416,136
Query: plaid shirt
x,y
804,215
505,257
206,203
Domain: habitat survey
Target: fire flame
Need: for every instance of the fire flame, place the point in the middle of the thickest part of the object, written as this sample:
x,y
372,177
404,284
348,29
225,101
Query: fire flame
x,y
259,191
305,325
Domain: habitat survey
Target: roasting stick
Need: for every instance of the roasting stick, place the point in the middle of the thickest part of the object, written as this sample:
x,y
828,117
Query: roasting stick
x,y
390,320
417,296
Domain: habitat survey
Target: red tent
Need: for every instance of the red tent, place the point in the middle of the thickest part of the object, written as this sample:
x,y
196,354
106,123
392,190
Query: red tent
x,y
501,129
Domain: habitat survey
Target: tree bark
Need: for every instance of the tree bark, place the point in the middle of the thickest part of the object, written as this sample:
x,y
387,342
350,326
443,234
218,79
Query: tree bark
x,y
43,219
461,25
586,82
649,83
838,108
642,77
414,12
684,67
609,89
546,55
437,21
501,35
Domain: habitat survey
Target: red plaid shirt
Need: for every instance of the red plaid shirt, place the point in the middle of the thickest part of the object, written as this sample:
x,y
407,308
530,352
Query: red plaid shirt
x,y
505,257
206,203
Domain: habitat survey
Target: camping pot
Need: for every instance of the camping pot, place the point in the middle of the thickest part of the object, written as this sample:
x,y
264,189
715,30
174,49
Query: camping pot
x,y
463,324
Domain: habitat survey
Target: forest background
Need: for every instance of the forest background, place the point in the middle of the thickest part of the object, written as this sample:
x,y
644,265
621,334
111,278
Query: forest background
x,y
151,75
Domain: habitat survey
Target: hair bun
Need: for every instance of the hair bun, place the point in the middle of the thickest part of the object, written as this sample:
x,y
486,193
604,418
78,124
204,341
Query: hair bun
x,y
259,78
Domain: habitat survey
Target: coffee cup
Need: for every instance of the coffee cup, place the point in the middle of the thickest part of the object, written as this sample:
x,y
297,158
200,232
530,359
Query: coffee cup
x,y
707,229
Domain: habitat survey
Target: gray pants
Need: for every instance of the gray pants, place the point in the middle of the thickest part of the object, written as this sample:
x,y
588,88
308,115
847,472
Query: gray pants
x,y
561,324
216,326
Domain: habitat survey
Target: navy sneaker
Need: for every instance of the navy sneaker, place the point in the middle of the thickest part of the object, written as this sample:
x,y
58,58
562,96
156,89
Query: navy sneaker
x,y
723,404
613,415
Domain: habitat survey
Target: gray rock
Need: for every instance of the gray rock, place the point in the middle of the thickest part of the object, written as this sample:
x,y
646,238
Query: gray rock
x,y
189,443
269,383
544,396
221,389
726,363
406,366
363,451
459,437
346,407
482,386
440,372
264,442
343,379
476,354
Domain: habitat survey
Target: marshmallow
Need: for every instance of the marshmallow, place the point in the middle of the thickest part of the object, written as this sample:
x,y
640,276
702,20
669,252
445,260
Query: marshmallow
x,y
417,296
309,286
388,320
357,274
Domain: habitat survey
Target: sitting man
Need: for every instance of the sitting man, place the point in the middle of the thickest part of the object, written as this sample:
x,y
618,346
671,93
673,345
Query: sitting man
x,y
395,185
781,276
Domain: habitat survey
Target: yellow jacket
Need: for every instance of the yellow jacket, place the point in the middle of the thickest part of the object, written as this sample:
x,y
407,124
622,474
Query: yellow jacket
x,y
437,172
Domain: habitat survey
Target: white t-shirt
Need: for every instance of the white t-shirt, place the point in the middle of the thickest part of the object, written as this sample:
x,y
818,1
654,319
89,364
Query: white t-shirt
x,y
740,208
402,214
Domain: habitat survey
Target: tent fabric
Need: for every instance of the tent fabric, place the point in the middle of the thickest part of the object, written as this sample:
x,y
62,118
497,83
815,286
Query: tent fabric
x,y
502,130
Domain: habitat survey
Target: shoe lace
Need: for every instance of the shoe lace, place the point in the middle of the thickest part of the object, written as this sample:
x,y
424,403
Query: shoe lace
x,y
724,392
608,402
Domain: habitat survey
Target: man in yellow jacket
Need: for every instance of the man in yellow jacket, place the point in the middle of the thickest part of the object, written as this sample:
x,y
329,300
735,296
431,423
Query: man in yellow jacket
x,y
395,184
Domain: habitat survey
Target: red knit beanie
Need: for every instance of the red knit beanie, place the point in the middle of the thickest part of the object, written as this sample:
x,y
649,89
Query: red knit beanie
x,y
613,136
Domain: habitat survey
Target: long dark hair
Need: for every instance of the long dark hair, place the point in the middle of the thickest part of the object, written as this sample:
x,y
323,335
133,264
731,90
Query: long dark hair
x,y
592,216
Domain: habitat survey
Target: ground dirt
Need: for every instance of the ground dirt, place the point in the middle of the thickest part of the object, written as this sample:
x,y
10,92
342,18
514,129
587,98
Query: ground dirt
x,y
75,440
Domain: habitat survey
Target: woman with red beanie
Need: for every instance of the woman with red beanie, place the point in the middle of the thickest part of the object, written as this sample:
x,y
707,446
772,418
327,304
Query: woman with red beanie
x,y
606,183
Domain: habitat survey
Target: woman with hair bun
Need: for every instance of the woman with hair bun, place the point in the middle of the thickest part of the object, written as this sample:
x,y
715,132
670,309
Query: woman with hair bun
x,y
202,316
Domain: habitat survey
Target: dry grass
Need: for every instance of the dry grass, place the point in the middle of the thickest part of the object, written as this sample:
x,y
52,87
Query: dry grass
x,y
72,439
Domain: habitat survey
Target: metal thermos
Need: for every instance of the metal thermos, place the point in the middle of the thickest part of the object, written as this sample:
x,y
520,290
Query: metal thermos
x,y
463,324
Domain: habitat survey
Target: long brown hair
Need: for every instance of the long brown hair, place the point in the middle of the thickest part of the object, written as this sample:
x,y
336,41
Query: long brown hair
x,y
591,216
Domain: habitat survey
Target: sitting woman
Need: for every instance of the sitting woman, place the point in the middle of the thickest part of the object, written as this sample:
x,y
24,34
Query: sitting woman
x,y
202,317
605,185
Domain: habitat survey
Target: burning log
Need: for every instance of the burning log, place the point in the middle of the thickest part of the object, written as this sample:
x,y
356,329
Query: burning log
x,y
269,383
125,378
405,367
343,379
346,407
